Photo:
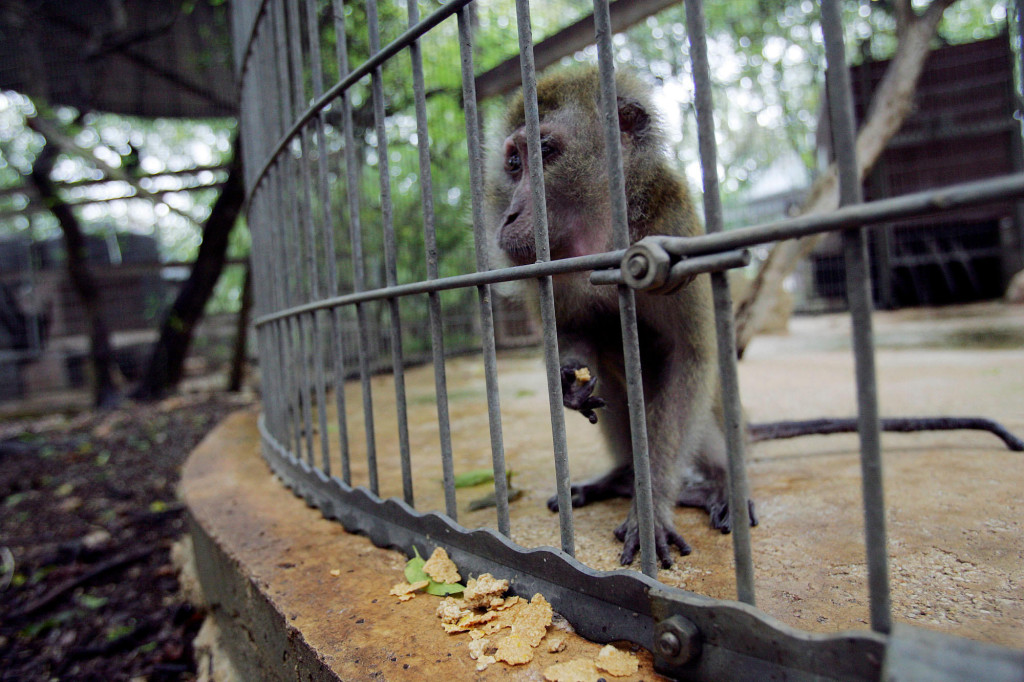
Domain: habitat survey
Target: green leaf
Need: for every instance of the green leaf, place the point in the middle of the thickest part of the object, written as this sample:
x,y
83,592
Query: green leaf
x,y
157,506
13,499
475,477
414,568
118,632
443,589
478,476
92,602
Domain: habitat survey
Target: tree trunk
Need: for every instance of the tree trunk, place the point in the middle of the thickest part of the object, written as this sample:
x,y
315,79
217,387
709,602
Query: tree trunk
x,y
238,356
890,106
101,355
167,361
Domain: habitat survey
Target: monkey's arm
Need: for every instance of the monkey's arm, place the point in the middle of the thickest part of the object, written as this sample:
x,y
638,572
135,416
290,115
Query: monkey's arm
x,y
578,383
579,368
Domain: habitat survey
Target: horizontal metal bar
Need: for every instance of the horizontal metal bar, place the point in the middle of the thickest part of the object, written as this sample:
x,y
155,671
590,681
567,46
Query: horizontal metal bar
x,y
555,267
956,196
963,195
367,67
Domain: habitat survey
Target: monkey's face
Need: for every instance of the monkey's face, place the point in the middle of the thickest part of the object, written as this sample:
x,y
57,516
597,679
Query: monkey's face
x,y
575,186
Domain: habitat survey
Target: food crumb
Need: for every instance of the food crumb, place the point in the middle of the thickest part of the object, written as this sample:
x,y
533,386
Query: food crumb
x,y
406,591
617,662
440,568
484,591
576,670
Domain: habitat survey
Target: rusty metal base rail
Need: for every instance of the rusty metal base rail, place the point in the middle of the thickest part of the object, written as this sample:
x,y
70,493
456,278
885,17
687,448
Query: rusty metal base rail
x,y
692,636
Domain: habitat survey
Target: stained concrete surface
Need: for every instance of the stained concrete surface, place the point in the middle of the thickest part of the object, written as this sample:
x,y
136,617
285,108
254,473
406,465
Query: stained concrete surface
x,y
956,529
954,499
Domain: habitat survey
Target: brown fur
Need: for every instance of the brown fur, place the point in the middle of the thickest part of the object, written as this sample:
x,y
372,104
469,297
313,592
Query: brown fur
x,y
677,346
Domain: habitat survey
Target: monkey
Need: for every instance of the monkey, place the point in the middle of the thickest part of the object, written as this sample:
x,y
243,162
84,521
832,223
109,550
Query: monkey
x,y
677,339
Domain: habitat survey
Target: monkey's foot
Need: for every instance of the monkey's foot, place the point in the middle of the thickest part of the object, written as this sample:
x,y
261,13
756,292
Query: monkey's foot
x,y
578,388
665,536
616,483
722,519
716,504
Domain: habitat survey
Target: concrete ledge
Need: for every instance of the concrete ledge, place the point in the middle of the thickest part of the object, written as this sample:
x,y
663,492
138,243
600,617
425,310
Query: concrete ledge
x,y
264,561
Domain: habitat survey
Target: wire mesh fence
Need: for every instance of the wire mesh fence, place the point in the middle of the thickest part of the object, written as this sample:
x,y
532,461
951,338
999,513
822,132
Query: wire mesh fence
x,y
327,261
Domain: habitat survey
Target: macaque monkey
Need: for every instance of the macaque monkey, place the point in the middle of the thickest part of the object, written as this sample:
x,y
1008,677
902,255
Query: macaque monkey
x,y
677,338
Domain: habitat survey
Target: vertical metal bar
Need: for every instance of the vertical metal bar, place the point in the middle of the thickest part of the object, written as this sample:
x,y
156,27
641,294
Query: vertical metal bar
x,y
263,225
390,265
316,67
358,265
285,107
430,244
277,77
547,301
732,411
643,501
305,259
858,287
476,186
341,42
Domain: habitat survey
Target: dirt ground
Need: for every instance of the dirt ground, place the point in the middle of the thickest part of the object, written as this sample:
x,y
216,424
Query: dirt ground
x,y
88,511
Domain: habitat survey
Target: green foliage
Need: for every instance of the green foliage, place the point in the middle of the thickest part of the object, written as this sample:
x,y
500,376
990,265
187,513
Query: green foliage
x,y
767,61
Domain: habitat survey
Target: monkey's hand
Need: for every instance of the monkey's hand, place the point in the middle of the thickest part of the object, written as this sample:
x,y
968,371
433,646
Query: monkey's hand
x,y
665,536
577,390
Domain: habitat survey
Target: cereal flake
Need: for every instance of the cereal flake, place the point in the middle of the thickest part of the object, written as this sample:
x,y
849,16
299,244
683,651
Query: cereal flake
x,y
617,662
440,568
406,591
576,670
484,591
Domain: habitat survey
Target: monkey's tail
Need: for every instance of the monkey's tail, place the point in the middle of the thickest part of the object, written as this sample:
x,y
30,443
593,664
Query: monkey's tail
x,y
811,427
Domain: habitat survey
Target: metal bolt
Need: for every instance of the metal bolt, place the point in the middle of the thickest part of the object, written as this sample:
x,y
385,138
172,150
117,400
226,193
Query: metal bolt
x,y
638,265
669,645
678,641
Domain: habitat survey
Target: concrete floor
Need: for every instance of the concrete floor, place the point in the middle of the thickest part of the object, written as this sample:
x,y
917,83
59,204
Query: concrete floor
x,y
955,521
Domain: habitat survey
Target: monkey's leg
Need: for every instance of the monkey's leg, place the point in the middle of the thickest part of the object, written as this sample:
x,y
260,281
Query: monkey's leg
x,y
616,483
705,484
673,431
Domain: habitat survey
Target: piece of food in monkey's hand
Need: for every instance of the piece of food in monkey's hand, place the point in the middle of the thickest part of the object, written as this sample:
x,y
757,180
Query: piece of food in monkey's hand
x,y
577,394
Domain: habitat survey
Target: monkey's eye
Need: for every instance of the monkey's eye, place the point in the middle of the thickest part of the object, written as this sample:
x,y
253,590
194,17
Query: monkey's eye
x,y
548,148
513,163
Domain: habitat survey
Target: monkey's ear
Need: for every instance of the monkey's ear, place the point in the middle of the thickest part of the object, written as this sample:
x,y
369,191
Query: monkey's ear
x,y
633,118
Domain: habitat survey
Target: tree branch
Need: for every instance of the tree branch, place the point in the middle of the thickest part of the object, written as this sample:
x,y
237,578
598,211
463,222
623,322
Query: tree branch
x,y
890,106
69,146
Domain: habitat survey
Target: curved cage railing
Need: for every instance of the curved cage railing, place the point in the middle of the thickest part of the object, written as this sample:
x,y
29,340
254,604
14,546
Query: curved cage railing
x,y
323,317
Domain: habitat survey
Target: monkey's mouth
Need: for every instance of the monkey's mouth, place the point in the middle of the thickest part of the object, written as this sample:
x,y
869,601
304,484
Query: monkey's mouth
x,y
519,248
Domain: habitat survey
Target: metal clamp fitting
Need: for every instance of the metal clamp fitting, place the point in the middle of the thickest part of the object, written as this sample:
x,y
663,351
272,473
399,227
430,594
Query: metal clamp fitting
x,y
678,641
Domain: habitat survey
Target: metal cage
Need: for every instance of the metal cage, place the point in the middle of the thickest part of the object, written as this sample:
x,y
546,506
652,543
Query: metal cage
x,y
290,118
